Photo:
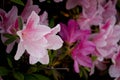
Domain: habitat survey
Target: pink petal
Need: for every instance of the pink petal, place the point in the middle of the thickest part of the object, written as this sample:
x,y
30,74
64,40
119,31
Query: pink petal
x,y
76,66
44,18
29,7
114,71
71,4
10,47
33,60
11,16
32,20
56,29
36,48
54,42
20,51
44,59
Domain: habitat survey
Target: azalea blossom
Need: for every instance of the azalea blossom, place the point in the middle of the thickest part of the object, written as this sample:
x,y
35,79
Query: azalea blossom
x,y
107,38
36,39
80,54
71,32
90,16
9,25
109,9
8,19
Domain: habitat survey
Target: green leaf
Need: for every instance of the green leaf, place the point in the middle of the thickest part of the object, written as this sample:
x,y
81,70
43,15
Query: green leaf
x,y
8,35
20,24
18,2
18,76
35,77
32,69
41,77
52,23
9,62
10,40
3,71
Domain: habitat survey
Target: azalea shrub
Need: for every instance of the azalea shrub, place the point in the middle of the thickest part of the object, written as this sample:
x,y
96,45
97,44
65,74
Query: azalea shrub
x,y
59,40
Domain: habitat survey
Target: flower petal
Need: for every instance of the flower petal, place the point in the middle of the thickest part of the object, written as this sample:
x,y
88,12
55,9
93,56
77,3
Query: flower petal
x,y
20,51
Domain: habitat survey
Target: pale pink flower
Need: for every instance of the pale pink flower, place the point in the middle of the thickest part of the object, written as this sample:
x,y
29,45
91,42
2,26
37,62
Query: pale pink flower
x,y
80,54
114,69
90,16
29,7
36,39
73,3
109,9
107,38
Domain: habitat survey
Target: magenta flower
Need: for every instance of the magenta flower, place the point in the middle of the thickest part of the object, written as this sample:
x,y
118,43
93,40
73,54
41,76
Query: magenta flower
x,y
80,54
8,19
29,7
71,33
73,3
36,39
9,25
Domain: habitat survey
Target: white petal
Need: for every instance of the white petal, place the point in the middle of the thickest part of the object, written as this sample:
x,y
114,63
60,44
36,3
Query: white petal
x,y
114,71
45,59
37,48
54,42
33,59
20,51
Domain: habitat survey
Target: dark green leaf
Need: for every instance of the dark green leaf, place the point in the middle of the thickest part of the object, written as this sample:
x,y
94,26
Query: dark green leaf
x,y
18,2
3,71
8,35
10,40
41,77
52,23
9,62
20,24
35,77
18,76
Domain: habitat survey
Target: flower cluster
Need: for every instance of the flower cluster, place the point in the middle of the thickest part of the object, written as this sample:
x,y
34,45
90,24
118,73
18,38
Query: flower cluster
x,y
87,35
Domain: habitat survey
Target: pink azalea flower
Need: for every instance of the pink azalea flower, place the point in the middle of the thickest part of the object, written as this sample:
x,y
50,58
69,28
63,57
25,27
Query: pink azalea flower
x,y
8,25
8,19
73,3
36,39
80,54
109,9
29,7
70,33
106,40
90,16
